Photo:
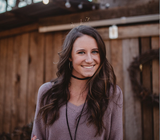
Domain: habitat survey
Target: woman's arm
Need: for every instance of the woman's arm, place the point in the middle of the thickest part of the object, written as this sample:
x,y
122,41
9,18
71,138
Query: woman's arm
x,y
39,128
116,132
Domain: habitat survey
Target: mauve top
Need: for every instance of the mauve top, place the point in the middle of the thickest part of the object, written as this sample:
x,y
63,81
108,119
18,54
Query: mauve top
x,y
59,130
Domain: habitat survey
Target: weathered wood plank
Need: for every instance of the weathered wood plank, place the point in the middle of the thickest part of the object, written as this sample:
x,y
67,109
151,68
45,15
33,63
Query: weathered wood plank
x,y
132,31
155,86
39,65
31,96
40,62
57,44
132,105
108,50
116,60
146,78
16,82
3,61
23,72
19,30
8,87
48,57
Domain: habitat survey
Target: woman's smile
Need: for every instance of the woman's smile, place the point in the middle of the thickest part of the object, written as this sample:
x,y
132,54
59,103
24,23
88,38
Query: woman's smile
x,y
88,67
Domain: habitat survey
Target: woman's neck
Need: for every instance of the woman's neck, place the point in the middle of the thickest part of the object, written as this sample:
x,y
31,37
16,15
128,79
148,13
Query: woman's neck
x,y
77,90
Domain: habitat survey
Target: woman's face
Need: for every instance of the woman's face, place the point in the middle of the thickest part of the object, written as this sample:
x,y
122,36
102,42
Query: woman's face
x,y
85,57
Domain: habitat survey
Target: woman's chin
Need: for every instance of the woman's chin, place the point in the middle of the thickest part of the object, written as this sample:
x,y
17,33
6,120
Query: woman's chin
x,y
87,75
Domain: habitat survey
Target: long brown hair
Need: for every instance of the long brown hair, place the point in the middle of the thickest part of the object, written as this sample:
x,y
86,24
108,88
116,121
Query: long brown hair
x,y
99,84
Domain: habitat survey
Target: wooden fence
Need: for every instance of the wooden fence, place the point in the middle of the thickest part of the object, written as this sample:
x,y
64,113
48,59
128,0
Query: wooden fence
x,y
29,59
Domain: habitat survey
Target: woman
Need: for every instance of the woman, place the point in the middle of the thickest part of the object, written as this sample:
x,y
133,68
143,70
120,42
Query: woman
x,y
83,102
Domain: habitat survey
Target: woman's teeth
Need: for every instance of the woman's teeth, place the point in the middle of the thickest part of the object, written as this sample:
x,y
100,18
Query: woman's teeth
x,y
88,67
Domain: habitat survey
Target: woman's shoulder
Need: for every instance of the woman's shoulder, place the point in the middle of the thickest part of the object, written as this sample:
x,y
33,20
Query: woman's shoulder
x,y
118,90
117,95
44,88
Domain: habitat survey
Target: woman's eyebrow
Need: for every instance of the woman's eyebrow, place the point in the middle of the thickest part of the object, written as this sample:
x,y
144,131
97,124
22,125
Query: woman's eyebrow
x,y
95,49
80,50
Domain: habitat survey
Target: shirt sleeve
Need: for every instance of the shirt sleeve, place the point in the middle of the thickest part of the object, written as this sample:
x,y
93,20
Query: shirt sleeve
x,y
39,128
116,132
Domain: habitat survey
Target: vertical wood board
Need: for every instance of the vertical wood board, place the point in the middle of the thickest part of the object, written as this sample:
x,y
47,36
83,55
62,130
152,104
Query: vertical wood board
x,y
3,60
23,72
8,87
146,78
116,61
49,57
39,68
108,50
40,61
33,60
57,44
155,87
132,105
15,82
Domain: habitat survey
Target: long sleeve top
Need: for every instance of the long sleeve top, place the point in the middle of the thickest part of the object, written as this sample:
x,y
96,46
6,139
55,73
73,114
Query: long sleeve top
x,y
59,131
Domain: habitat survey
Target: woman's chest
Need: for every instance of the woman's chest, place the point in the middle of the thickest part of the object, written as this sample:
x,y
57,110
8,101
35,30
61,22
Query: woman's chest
x,y
60,129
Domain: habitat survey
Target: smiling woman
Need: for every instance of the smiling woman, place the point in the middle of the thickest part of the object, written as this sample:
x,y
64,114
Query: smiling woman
x,y
83,102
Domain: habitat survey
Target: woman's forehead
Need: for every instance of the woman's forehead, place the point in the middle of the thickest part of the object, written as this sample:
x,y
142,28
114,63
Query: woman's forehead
x,y
85,41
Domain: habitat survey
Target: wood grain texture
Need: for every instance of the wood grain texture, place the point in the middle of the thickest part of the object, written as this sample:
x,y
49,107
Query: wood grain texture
x,y
116,61
39,70
15,82
155,87
132,105
132,31
3,61
146,78
48,57
108,50
19,30
23,72
8,87
33,60
57,47
40,61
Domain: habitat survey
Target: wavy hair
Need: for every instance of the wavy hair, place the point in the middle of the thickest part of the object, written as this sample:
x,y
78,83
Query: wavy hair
x,y
98,85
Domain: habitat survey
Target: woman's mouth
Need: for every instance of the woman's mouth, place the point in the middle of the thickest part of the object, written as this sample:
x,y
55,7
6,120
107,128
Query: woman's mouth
x,y
88,67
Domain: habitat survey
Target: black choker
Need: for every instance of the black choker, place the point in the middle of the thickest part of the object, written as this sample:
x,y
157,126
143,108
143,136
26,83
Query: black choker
x,y
80,78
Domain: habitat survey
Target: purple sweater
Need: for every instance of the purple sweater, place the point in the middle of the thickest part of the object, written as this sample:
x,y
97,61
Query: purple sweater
x,y
59,131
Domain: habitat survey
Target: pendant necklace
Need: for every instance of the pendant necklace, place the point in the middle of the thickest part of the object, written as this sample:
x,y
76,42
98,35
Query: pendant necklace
x,y
77,122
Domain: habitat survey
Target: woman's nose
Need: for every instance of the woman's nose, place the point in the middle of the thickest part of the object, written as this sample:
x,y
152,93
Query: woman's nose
x,y
89,58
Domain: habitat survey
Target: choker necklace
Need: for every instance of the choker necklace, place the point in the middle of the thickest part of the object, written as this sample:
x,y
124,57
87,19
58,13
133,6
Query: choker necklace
x,y
77,122
80,78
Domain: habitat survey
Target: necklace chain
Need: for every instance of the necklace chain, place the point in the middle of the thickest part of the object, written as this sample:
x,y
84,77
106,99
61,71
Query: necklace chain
x,y
77,122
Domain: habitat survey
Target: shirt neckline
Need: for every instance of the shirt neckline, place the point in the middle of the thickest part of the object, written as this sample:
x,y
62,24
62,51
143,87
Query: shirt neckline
x,y
75,108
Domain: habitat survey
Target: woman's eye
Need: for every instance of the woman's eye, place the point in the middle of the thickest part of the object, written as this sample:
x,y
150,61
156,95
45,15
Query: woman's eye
x,y
80,52
95,52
